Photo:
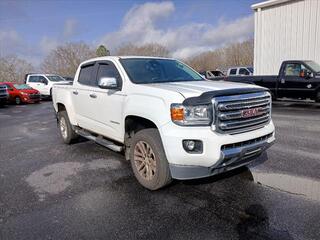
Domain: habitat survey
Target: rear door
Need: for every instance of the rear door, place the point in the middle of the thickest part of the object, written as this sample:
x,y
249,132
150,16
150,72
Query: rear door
x,y
293,84
83,98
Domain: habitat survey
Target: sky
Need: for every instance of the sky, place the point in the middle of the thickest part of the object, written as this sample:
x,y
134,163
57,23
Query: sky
x,y
31,29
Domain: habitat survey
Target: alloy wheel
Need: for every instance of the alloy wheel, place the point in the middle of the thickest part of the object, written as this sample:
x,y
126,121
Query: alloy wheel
x,y
144,160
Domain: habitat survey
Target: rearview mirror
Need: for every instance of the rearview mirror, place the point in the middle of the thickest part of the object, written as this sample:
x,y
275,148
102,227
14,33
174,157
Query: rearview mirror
x,y
108,83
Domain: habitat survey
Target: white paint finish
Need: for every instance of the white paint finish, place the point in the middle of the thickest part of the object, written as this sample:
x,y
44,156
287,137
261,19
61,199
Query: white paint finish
x,y
286,31
152,102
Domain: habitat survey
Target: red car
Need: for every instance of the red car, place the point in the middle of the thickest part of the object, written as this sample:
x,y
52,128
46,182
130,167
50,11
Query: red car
x,y
21,93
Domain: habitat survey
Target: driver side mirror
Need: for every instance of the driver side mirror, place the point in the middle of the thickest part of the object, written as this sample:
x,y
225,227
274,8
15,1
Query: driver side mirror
x,y
304,73
108,83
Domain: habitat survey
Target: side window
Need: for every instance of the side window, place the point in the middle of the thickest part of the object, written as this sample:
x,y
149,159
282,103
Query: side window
x,y
34,79
233,71
243,71
107,70
86,75
42,80
293,69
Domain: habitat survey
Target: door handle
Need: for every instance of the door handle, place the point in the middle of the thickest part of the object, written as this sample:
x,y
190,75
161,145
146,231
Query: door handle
x,y
75,92
92,95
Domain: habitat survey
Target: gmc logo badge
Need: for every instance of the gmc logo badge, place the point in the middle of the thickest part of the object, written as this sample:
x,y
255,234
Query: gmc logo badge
x,y
253,112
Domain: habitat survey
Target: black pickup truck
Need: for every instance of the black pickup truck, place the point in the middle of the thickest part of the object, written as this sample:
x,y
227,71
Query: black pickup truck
x,y
296,79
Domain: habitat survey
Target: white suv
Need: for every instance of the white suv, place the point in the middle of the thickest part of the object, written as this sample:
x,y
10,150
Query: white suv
x,y
44,82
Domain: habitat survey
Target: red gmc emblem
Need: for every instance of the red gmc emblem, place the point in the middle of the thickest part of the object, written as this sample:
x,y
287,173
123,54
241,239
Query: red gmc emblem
x,y
251,112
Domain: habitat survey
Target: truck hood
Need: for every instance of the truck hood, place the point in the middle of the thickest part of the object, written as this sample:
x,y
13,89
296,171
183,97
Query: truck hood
x,y
196,88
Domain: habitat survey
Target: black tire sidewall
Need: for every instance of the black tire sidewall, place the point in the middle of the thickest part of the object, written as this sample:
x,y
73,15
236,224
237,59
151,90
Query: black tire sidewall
x,y
162,175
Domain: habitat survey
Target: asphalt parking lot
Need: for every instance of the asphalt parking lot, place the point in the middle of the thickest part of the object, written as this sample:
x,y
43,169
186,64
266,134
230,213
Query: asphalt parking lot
x,y
49,190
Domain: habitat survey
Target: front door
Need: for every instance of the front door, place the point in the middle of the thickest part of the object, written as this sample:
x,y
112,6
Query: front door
x,y
110,102
99,110
293,83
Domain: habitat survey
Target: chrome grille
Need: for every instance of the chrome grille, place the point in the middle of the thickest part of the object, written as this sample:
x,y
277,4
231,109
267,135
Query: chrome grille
x,y
230,112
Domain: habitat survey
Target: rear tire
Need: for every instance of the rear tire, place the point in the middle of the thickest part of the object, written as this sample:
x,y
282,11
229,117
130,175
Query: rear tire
x,y
148,159
66,130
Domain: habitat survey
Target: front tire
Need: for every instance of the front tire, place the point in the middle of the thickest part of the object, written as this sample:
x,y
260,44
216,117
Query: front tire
x,y
67,133
148,159
18,100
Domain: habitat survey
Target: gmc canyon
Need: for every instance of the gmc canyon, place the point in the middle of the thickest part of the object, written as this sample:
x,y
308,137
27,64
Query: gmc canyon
x,y
296,79
166,119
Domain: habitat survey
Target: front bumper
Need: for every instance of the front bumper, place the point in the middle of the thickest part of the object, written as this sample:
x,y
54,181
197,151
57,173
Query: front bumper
x,y
221,152
231,158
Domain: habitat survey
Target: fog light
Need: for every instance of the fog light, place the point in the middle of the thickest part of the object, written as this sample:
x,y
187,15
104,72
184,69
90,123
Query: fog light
x,y
192,146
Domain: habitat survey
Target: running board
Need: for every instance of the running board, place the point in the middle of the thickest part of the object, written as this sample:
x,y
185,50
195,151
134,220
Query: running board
x,y
99,139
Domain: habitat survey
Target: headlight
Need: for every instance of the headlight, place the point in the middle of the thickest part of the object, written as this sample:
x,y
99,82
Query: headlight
x,y
191,115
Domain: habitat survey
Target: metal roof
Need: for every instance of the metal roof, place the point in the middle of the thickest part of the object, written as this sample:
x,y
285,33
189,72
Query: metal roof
x,y
269,3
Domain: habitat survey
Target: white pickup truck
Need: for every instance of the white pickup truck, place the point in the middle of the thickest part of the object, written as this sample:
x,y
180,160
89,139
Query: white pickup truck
x,y
44,82
167,120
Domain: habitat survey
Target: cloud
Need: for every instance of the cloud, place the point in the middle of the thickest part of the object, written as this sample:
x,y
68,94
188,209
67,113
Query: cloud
x,y
70,28
140,26
9,39
47,44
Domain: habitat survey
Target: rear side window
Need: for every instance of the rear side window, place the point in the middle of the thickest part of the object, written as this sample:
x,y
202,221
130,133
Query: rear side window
x,y
86,75
34,79
233,71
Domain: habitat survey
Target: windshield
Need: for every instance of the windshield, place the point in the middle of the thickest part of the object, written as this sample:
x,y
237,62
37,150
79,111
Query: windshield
x,y
250,69
55,78
21,86
151,70
313,65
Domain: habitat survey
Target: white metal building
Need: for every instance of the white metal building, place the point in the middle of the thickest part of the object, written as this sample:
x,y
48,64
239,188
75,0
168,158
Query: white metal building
x,y
285,30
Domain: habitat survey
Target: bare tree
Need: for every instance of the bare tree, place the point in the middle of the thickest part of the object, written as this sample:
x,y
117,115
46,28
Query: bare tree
x,y
13,69
65,59
150,49
236,54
